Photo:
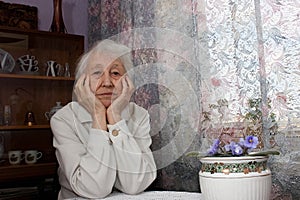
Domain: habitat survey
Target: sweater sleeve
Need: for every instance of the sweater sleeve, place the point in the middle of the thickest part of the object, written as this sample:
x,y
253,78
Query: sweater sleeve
x,y
88,167
136,168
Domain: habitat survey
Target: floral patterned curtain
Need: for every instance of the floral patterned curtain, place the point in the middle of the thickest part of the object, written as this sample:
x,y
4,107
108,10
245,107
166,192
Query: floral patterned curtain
x,y
202,66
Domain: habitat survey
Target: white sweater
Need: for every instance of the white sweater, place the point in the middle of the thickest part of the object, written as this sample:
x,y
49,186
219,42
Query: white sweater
x,y
93,161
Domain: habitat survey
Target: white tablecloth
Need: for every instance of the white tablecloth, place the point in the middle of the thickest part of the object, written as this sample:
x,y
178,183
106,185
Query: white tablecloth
x,y
153,195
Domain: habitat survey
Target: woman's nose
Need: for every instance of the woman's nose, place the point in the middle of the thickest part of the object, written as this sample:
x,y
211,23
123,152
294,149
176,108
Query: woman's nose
x,y
106,80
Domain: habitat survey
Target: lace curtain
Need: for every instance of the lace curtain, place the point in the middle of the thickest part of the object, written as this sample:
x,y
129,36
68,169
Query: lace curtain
x,y
198,64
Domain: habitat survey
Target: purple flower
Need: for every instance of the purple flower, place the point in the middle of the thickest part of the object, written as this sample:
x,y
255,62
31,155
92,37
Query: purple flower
x,y
251,142
236,149
244,146
214,148
227,147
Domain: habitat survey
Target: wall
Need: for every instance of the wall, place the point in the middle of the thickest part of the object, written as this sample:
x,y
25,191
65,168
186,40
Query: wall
x,y
74,14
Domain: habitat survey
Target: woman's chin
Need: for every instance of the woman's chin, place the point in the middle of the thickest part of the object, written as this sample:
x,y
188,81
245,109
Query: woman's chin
x,y
106,103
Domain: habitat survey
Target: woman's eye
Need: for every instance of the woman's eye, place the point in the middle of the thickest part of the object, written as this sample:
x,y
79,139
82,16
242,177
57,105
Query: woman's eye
x,y
115,74
97,74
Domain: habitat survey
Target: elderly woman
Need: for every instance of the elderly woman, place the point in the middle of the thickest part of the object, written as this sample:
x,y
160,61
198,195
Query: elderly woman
x,y
102,139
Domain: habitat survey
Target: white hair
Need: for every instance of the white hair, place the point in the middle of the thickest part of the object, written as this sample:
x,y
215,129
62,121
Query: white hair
x,y
114,49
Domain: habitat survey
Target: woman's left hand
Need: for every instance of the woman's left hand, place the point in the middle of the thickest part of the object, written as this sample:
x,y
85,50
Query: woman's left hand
x,y
126,89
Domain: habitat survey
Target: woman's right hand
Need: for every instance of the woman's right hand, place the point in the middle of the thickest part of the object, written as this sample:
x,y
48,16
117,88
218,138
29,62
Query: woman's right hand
x,y
90,102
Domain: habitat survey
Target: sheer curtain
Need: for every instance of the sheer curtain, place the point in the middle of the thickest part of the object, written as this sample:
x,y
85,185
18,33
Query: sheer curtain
x,y
198,65
254,52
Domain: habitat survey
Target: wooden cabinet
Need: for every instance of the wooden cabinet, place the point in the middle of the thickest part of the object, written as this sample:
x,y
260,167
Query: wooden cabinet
x,y
37,93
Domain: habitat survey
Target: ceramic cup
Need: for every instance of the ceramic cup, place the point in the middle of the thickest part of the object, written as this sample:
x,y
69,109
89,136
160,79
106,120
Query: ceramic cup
x,y
15,157
31,156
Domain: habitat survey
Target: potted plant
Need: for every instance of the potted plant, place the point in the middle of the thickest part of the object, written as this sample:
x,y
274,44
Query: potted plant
x,y
235,165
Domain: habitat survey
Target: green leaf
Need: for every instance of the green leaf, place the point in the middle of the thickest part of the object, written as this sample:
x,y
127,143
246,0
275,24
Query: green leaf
x,y
195,154
264,153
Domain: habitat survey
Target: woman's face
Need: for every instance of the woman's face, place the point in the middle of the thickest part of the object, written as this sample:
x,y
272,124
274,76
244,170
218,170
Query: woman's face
x,y
105,73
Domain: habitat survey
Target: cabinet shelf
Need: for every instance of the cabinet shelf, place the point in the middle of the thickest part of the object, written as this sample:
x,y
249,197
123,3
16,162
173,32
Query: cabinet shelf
x,y
36,92
20,76
19,127
23,171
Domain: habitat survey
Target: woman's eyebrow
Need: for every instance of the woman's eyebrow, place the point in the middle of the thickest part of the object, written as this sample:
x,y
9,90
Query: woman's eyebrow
x,y
116,64
97,67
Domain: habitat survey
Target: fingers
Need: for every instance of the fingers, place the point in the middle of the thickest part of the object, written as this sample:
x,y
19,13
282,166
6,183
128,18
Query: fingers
x,y
82,88
126,90
86,83
79,85
81,80
127,84
124,84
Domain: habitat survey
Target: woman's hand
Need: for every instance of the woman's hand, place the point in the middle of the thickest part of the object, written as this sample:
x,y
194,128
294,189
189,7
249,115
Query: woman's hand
x,y
88,100
126,89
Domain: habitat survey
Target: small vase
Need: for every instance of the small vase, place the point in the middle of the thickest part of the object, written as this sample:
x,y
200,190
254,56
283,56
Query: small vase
x,y
67,70
58,21
235,178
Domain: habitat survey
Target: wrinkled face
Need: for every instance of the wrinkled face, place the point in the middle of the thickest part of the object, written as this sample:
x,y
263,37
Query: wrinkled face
x,y
105,73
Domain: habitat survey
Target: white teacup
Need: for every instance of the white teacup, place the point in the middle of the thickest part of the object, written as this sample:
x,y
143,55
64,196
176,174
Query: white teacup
x,y
31,156
15,157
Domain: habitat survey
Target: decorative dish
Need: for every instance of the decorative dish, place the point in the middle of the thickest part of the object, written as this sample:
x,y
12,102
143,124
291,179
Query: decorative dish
x,y
7,62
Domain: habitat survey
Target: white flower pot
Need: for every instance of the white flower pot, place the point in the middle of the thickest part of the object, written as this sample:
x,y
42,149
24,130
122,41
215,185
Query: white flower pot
x,y
235,178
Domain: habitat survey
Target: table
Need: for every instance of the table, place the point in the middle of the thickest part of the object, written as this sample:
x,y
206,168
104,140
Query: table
x,y
153,195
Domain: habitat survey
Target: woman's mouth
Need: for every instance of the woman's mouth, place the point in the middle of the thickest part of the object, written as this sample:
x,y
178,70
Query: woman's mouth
x,y
106,94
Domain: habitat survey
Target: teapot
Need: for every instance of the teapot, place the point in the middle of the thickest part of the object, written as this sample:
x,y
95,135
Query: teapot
x,y
53,110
